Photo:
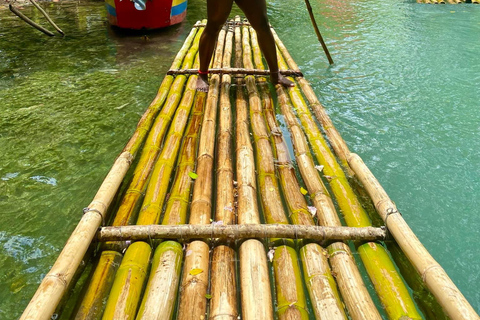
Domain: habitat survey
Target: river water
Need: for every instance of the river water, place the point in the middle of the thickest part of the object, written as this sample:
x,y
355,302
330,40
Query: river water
x,y
403,92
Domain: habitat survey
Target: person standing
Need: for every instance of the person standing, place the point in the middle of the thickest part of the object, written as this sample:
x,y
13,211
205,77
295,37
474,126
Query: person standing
x,y
256,13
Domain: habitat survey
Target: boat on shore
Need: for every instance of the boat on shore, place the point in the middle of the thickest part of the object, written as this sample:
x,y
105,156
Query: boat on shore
x,y
145,14
206,214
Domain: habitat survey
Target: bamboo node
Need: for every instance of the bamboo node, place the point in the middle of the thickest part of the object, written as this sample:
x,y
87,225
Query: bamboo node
x,y
424,273
389,212
87,210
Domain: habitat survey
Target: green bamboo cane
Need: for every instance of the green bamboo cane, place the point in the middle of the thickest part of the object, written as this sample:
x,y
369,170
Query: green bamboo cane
x,y
92,304
388,283
159,182
159,299
127,288
151,149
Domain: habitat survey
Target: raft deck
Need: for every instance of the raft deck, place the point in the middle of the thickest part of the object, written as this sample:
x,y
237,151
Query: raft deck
x,y
253,231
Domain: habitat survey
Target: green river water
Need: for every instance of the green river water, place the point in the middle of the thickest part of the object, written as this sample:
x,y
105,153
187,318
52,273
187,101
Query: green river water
x,y
404,93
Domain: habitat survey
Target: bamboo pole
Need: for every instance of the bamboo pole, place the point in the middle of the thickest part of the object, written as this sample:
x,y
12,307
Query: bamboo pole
x,y
317,32
92,304
255,294
267,182
151,148
358,301
291,302
160,181
235,232
129,281
159,299
436,279
194,289
349,280
388,283
334,138
255,283
295,200
321,286
223,302
178,201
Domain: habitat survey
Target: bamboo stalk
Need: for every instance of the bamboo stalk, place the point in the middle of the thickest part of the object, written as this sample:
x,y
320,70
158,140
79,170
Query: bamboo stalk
x,y
396,298
159,299
194,292
178,201
321,286
349,280
295,200
129,281
256,297
436,279
267,182
92,304
236,232
158,185
224,210
291,303
223,303
334,138
151,148
255,283
235,71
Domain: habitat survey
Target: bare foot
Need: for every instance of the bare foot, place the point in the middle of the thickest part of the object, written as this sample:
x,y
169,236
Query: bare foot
x,y
202,82
277,78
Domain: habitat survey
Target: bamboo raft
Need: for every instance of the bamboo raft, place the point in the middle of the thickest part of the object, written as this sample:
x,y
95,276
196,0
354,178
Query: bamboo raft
x,y
245,233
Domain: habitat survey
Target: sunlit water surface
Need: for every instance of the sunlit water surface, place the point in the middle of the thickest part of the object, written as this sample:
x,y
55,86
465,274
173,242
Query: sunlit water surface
x,y
404,93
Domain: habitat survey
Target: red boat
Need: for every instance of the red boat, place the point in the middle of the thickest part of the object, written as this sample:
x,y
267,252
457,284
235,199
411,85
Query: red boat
x,y
145,14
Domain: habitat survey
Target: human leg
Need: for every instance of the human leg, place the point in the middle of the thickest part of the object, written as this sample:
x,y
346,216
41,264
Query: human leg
x,y
256,13
217,14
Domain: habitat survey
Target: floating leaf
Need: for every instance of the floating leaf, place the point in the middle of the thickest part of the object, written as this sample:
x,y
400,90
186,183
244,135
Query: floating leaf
x,y
303,191
196,271
313,211
270,254
208,296
193,175
271,189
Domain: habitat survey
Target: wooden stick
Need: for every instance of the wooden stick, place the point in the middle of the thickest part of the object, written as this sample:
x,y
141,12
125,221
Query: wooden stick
x,y
236,71
47,17
436,279
319,35
235,232
30,22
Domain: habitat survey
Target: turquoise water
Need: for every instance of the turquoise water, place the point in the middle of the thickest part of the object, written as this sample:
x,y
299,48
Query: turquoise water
x,y
404,93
